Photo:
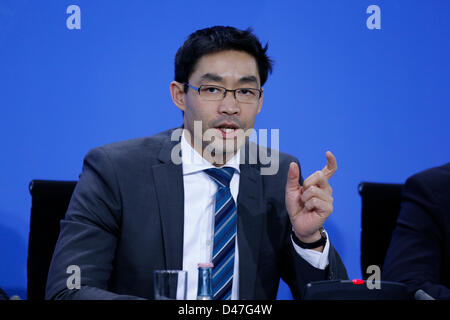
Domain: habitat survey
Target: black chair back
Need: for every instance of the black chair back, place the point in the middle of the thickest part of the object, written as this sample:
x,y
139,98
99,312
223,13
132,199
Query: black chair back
x,y
380,209
50,200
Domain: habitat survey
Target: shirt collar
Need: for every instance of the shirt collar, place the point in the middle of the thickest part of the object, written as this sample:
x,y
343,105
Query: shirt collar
x,y
194,162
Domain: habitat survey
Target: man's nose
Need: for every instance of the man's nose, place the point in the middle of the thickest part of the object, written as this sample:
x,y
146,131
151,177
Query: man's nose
x,y
229,104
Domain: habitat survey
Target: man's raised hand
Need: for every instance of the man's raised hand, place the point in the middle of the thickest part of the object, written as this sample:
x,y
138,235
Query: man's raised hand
x,y
311,204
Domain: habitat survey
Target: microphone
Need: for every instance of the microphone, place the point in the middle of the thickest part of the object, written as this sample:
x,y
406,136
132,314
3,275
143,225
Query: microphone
x,y
422,295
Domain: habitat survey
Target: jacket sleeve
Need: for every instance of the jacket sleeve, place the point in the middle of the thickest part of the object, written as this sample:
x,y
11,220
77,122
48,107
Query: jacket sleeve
x,y
298,272
89,235
416,251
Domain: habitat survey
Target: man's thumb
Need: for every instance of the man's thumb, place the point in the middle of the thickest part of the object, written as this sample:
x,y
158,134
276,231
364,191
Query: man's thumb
x,y
293,177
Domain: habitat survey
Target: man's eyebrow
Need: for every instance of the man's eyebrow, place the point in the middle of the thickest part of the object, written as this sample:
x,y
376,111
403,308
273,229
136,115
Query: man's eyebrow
x,y
248,79
216,78
211,77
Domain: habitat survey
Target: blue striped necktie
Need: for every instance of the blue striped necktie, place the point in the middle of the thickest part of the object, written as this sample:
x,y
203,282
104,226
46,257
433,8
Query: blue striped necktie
x,y
224,234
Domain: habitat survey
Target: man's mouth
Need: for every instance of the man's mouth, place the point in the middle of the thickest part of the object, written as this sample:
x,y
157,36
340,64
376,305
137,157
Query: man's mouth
x,y
227,130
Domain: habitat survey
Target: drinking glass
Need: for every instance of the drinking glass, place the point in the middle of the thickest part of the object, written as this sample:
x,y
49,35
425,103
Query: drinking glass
x,y
170,284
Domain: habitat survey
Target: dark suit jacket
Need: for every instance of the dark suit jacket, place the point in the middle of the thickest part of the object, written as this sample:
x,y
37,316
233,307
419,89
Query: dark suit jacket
x,y
125,220
419,253
3,295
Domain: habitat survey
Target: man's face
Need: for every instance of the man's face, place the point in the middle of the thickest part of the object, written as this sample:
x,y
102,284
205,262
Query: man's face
x,y
222,119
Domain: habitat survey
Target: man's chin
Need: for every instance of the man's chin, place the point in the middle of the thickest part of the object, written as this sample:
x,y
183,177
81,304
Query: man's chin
x,y
221,150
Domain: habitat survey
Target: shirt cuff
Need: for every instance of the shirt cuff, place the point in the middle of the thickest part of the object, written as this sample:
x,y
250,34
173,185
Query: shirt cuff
x,y
315,258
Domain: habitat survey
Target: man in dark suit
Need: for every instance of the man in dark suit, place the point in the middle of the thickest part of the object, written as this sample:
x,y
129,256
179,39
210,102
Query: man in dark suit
x,y
199,194
419,253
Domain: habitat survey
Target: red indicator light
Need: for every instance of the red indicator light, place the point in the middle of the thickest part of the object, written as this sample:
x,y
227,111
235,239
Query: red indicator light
x,y
358,281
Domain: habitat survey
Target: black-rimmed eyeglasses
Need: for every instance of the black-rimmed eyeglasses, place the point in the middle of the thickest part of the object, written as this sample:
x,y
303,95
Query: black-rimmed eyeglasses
x,y
216,93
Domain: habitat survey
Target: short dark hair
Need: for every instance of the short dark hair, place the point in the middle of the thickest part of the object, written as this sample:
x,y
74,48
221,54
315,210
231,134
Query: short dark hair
x,y
216,39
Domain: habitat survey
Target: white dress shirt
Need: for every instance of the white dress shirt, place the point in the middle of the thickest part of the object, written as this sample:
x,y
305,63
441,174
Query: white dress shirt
x,y
199,207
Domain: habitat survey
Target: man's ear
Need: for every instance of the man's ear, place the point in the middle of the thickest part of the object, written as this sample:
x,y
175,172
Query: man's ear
x,y
260,102
178,95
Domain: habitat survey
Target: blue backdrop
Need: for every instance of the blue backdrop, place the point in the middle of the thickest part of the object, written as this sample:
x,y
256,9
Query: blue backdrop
x,y
378,99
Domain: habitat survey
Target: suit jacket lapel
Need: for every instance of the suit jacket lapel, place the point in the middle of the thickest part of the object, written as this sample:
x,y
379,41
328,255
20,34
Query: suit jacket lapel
x,y
250,223
170,192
